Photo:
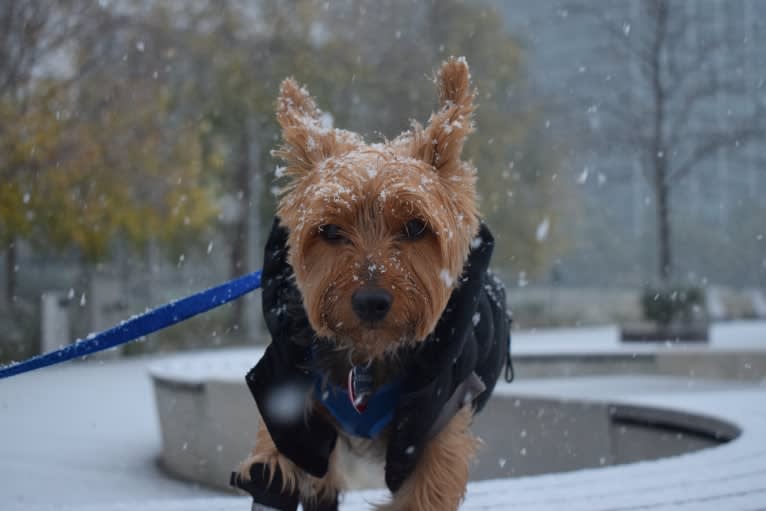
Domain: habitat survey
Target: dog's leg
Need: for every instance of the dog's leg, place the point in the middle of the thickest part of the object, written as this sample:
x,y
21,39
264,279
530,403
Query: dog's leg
x,y
313,492
439,481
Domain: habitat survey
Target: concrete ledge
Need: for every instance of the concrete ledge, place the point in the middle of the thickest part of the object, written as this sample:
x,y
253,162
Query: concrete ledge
x,y
208,419
208,426
731,477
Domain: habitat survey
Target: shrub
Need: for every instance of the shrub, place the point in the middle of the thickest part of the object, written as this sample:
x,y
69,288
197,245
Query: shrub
x,y
672,304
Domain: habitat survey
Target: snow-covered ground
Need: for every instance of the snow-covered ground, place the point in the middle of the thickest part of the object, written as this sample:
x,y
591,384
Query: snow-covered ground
x,y
85,437
83,433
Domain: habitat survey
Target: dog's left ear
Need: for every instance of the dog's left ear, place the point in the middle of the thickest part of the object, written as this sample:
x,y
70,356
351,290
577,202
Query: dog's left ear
x,y
441,142
307,136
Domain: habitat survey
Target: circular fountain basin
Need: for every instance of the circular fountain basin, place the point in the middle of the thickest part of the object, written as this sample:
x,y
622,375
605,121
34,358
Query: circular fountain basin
x,y
209,419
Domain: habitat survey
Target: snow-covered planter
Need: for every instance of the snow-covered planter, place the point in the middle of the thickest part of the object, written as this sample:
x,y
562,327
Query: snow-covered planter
x,y
693,331
672,314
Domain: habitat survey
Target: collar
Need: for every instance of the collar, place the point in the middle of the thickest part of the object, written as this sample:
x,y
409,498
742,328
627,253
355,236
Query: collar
x,y
368,423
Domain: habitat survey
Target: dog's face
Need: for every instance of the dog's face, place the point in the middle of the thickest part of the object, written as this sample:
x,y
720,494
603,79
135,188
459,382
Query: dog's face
x,y
378,233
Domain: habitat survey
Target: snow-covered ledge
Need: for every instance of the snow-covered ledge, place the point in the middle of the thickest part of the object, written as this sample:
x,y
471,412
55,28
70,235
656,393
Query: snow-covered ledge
x,y
208,419
208,422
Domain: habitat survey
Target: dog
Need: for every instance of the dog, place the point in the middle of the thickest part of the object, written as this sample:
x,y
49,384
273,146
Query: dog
x,y
388,332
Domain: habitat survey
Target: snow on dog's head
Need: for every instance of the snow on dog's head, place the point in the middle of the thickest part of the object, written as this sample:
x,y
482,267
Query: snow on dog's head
x,y
378,232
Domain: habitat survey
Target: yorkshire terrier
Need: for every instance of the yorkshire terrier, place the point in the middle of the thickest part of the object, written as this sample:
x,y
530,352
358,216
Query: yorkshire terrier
x,y
388,333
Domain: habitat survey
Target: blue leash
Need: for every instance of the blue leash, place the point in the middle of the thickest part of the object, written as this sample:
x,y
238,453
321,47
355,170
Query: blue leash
x,y
139,326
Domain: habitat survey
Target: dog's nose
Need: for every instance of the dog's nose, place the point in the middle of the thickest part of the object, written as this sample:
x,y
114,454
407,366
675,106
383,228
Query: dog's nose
x,y
371,303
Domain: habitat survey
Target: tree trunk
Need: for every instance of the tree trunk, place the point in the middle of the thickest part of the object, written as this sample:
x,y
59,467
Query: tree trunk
x,y
663,218
11,257
660,155
238,263
252,301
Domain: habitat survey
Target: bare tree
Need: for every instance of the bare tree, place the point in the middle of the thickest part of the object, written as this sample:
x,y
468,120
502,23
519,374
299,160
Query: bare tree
x,y
685,102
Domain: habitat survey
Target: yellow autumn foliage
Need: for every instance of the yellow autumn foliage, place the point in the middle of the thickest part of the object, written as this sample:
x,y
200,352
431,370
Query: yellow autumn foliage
x,y
81,181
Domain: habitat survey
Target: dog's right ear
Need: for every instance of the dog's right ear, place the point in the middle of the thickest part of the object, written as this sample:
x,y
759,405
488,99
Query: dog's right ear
x,y
306,134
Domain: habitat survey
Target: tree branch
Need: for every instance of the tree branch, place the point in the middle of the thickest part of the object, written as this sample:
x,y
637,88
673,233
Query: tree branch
x,y
705,91
629,45
715,142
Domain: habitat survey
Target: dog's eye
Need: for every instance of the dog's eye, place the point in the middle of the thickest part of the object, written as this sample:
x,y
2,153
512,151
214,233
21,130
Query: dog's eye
x,y
331,233
414,229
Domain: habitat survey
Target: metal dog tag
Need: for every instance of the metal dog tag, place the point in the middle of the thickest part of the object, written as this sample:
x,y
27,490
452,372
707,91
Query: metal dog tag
x,y
360,383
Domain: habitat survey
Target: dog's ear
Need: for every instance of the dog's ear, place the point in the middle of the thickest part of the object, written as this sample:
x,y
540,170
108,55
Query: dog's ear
x,y
441,142
307,134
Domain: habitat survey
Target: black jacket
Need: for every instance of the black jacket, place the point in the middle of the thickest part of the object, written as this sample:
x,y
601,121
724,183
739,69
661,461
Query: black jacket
x,y
471,339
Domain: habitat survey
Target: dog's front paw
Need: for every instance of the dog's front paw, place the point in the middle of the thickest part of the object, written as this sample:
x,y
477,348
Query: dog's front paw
x,y
260,507
266,485
254,460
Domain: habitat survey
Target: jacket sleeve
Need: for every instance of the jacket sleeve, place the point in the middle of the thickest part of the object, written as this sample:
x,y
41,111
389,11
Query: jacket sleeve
x,y
439,365
281,381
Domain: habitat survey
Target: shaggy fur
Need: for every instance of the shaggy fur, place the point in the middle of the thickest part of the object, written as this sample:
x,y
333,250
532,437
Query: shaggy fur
x,y
368,193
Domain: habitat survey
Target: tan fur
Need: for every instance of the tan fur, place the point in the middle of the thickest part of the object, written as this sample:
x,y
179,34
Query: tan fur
x,y
371,191
442,141
440,479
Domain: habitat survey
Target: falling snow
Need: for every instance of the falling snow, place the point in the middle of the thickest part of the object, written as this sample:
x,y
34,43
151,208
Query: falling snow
x,y
541,234
287,403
